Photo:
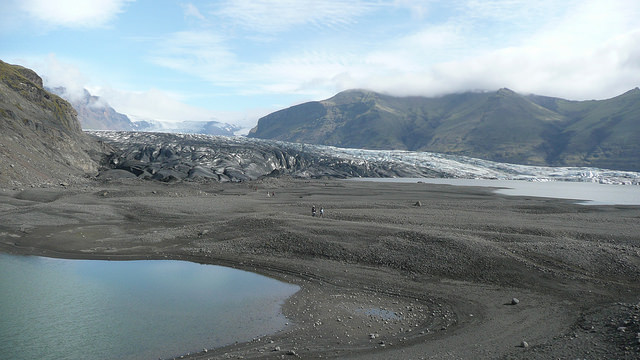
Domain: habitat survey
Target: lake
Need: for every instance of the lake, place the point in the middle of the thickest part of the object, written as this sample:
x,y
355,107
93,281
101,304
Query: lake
x,y
586,193
91,309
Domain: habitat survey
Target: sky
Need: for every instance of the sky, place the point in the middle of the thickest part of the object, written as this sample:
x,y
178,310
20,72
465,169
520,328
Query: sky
x,y
235,61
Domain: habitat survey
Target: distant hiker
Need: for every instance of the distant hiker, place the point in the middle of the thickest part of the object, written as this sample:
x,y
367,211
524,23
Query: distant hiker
x,y
321,212
313,210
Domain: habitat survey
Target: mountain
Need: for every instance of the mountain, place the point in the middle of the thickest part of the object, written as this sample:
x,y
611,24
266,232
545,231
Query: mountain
x,y
94,113
40,137
603,133
186,127
500,126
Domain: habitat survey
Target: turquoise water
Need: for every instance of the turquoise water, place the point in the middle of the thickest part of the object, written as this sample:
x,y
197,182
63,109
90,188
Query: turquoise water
x,y
89,309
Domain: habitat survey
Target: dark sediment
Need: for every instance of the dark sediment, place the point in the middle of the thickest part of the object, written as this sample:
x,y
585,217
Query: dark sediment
x,y
380,277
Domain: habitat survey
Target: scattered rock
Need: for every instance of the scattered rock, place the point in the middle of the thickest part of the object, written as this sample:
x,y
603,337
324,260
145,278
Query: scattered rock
x,y
524,344
515,301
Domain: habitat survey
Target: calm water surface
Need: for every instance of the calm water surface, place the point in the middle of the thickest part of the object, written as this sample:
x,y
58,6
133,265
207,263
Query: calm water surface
x,y
89,309
583,192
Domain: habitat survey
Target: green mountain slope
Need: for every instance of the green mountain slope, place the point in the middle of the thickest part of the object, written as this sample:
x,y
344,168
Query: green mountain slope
x,y
501,126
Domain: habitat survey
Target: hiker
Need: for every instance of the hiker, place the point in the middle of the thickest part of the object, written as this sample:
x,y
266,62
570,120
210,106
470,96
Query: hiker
x,y
321,212
313,210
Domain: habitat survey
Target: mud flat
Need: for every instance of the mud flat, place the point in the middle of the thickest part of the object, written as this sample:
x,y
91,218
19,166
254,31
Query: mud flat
x,y
392,270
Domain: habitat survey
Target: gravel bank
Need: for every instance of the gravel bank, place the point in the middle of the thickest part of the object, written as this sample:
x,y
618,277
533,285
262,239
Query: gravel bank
x,y
380,277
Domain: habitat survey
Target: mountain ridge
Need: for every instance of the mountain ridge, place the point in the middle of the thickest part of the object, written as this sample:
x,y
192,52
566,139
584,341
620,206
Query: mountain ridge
x,y
499,125
94,113
41,140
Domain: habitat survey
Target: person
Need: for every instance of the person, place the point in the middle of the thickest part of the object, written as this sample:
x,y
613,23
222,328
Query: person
x,y
313,210
321,212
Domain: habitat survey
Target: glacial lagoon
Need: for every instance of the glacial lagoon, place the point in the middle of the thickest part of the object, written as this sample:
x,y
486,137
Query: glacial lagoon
x,y
586,193
93,309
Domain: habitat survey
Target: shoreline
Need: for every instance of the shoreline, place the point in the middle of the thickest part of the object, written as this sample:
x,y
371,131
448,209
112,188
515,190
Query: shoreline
x,y
450,266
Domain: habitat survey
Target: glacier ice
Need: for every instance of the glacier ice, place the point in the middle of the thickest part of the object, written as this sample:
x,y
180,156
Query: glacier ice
x,y
241,158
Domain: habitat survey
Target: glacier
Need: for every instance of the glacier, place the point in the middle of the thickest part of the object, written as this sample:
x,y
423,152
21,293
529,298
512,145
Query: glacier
x,y
167,157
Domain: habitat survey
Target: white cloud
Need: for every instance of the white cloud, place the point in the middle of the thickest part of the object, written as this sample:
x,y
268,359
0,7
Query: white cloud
x,y
191,10
589,50
199,53
56,73
278,15
156,104
72,13
153,104
168,107
418,9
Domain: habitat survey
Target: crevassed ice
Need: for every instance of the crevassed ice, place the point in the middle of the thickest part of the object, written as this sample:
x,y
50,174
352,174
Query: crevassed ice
x,y
450,165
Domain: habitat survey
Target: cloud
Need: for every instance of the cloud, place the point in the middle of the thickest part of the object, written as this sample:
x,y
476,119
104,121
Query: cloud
x,y
56,73
418,9
588,50
72,13
153,104
279,15
168,107
191,10
199,53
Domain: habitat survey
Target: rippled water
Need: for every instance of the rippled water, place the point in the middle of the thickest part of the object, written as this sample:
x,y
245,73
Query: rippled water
x,y
88,309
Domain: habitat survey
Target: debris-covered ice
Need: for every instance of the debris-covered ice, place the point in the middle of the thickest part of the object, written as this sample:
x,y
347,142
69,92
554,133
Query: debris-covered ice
x,y
238,158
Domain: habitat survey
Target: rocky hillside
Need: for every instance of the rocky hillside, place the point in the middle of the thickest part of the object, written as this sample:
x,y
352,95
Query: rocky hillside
x,y
40,137
94,113
500,126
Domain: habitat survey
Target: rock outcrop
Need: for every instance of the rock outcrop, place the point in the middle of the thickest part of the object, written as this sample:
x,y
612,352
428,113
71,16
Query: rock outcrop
x,y
41,140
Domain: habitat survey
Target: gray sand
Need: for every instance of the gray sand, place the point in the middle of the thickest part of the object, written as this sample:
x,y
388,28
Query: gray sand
x,y
380,277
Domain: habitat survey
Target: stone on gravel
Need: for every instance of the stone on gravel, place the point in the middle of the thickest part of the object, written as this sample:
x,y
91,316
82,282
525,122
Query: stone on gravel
x,y
515,301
